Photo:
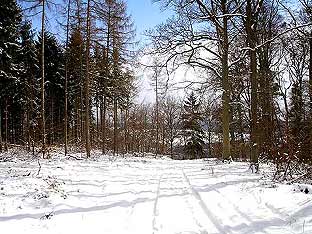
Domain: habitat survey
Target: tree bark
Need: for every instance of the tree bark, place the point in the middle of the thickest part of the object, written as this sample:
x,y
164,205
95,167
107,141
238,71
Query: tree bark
x,y
126,129
6,126
0,131
97,121
103,122
87,83
251,40
115,126
51,129
226,86
32,131
310,87
66,84
157,113
27,134
43,82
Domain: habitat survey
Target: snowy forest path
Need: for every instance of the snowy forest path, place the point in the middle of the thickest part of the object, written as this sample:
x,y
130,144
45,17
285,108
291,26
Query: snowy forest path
x,y
210,215
228,212
176,210
155,211
147,196
232,210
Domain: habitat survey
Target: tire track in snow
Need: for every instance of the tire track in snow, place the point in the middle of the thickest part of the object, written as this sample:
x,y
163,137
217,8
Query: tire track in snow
x,y
239,213
214,218
155,210
236,209
216,222
180,188
191,207
288,218
129,214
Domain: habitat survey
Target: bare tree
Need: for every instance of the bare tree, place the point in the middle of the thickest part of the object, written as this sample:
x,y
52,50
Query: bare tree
x,y
156,67
252,13
87,81
204,47
171,111
43,81
66,81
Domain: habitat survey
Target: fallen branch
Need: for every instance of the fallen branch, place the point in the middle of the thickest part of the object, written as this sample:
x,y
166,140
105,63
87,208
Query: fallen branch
x,y
74,157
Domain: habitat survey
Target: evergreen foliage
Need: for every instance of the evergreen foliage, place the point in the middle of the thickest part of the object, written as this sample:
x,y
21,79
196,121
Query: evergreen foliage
x,y
10,19
192,129
299,127
54,86
10,66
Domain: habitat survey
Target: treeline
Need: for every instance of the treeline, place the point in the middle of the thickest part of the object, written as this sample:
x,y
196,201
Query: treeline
x,y
70,93
252,95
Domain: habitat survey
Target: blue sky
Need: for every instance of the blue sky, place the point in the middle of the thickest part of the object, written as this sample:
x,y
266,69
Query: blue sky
x,y
145,15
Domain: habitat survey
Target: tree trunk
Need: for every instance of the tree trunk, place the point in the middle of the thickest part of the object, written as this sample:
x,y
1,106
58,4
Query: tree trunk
x,y
310,88
126,129
0,130
77,130
254,108
163,139
52,124
28,129
157,114
87,83
103,122
209,139
251,40
97,122
6,126
32,130
81,125
66,84
115,126
42,82
171,147
226,87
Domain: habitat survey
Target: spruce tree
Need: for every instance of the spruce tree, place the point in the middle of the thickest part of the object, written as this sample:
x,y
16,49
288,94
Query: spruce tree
x,y
192,129
29,82
10,19
54,87
299,127
76,72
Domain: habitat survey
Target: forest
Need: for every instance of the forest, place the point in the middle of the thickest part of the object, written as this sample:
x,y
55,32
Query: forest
x,y
156,116
75,89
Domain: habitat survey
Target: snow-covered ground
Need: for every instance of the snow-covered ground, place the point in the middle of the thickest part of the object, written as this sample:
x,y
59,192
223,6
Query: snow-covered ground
x,y
146,195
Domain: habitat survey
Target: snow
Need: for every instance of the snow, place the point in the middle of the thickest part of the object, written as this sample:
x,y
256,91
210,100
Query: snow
x,y
146,195
304,188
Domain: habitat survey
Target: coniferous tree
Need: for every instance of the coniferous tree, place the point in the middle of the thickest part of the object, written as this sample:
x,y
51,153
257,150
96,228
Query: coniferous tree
x,y
10,20
66,81
43,120
76,72
29,87
87,81
192,129
54,87
114,82
299,127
